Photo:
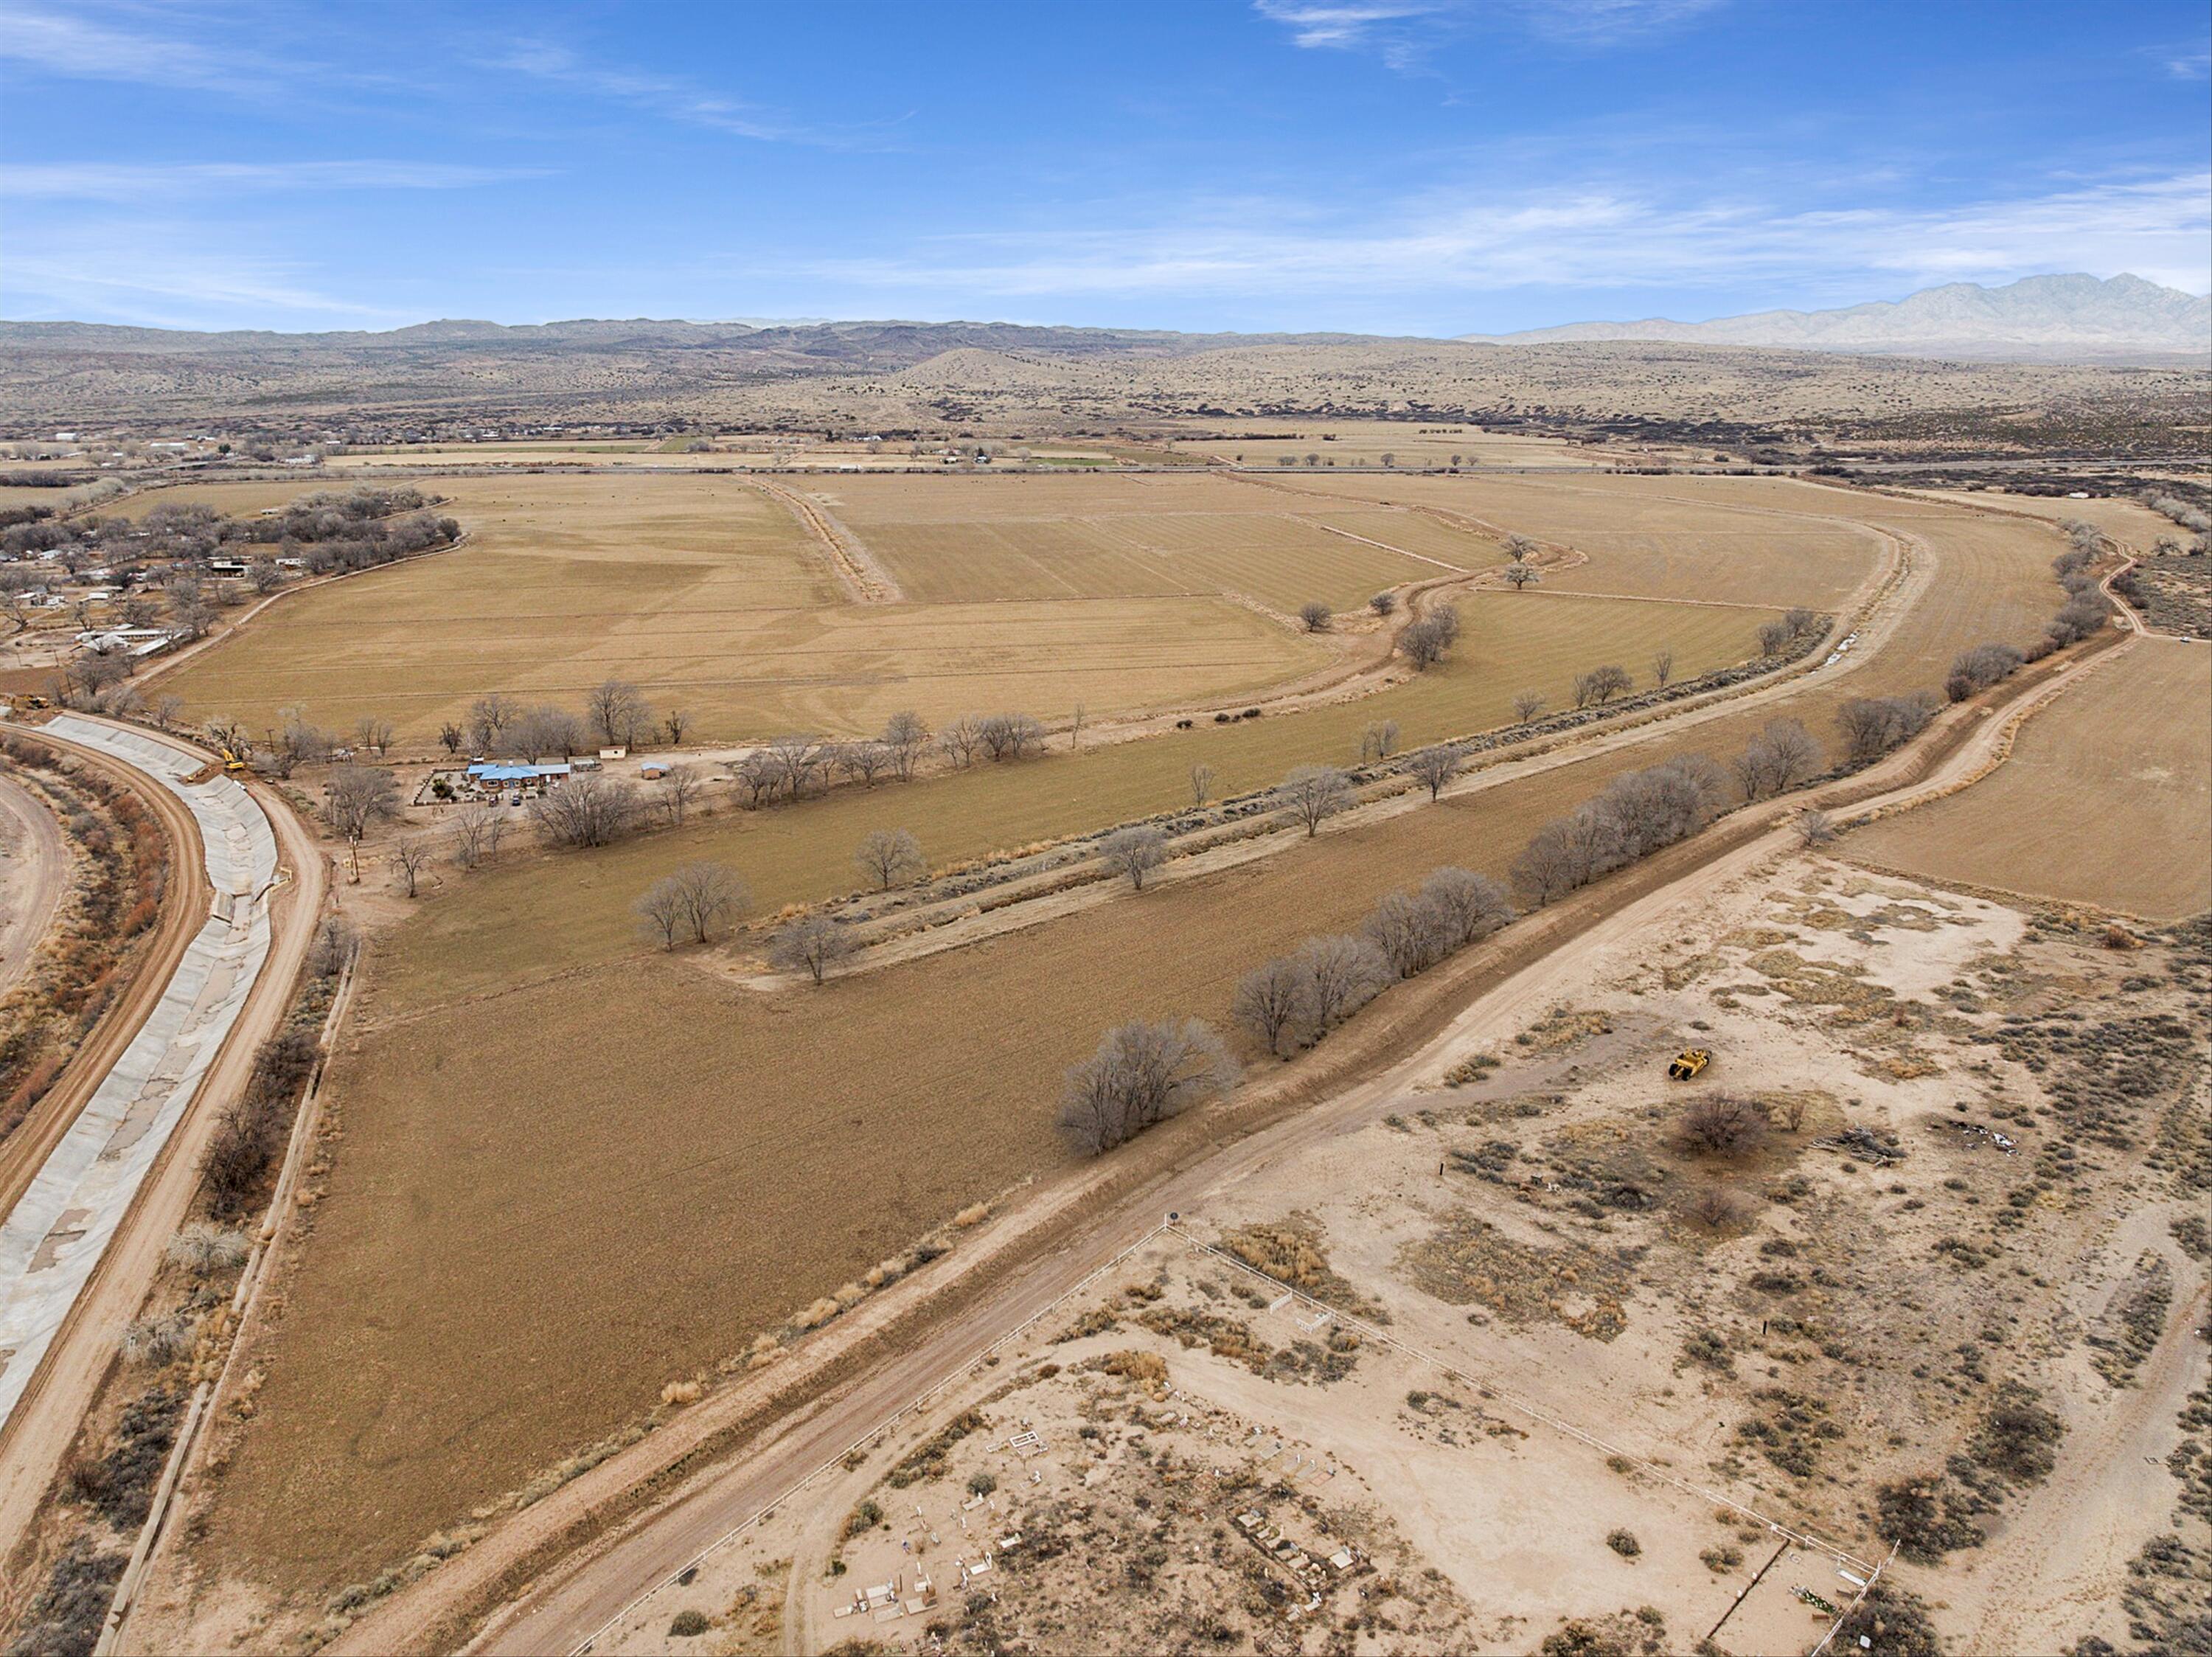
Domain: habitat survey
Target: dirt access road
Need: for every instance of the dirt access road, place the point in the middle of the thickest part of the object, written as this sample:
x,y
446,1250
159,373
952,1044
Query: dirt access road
x,y
547,1583
85,1237
32,876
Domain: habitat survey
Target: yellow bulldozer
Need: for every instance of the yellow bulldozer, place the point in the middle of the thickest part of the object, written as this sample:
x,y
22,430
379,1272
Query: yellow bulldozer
x,y
1688,1064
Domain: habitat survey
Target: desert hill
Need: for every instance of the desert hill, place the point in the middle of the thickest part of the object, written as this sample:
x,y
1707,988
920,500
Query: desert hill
x,y
2069,319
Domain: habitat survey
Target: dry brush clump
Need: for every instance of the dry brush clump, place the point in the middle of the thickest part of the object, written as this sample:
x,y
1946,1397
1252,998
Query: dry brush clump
x,y
1976,670
1872,726
249,1133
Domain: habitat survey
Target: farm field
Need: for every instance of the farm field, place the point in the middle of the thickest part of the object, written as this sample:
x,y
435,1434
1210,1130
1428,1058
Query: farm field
x,y
2105,800
962,538
1365,442
1773,543
515,919
426,1365
2128,522
710,596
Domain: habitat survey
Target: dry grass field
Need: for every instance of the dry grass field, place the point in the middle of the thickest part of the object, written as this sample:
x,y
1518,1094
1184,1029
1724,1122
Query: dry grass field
x,y
2107,799
538,917
961,540
710,595
1769,541
1365,442
2128,522
554,1193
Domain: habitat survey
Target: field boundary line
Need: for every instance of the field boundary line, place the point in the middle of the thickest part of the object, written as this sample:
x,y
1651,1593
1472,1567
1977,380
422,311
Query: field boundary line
x,y
960,1373
859,571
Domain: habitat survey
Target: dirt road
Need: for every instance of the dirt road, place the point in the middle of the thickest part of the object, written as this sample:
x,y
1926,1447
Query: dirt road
x,y
34,864
164,1127
549,1583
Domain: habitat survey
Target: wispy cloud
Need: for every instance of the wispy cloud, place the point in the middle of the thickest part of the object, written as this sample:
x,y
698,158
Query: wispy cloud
x,y
1402,30
72,44
165,278
1595,238
669,96
114,181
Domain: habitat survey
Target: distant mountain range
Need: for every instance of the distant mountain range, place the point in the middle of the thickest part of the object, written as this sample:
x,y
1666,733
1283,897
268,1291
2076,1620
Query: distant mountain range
x,y
2049,319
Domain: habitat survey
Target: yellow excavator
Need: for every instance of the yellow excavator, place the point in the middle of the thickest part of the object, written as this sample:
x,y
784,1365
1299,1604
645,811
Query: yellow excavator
x,y
1689,1062
231,765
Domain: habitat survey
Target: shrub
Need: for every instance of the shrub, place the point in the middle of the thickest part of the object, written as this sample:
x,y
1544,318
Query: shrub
x,y
1720,1125
203,1250
1623,1543
982,1483
688,1625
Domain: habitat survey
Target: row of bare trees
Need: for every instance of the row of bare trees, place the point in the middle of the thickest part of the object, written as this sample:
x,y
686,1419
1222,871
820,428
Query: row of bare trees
x,y
687,907
1976,670
616,714
1294,1001
1639,813
1872,726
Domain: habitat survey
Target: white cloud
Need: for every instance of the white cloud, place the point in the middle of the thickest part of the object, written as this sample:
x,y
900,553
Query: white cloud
x,y
74,45
1594,238
167,280
1400,29
112,181
665,95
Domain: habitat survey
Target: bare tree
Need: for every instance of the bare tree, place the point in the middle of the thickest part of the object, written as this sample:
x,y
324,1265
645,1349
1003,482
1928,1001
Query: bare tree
x,y
1009,736
1142,1074
489,717
813,944
536,733
1380,740
1662,667
373,733
165,709
679,786
618,711
708,892
1518,547
1980,667
1135,851
961,740
1428,640
1872,726
1343,974
451,737
264,575
1274,1002
863,762
357,797
1383,603
1778,759
660,910
1815,828
759,774
1522,576
1408,930
1467,906
890,857
905,737
294,743
477,831
794,759
1527,704
673,724
1316,615
1600,685
591,809
410,853
1075,730
1773,637
1435,766
1314,793
1201,783
1802,622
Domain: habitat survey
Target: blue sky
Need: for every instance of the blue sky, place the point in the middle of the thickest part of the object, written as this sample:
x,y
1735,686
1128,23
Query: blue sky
x,y
1428,167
